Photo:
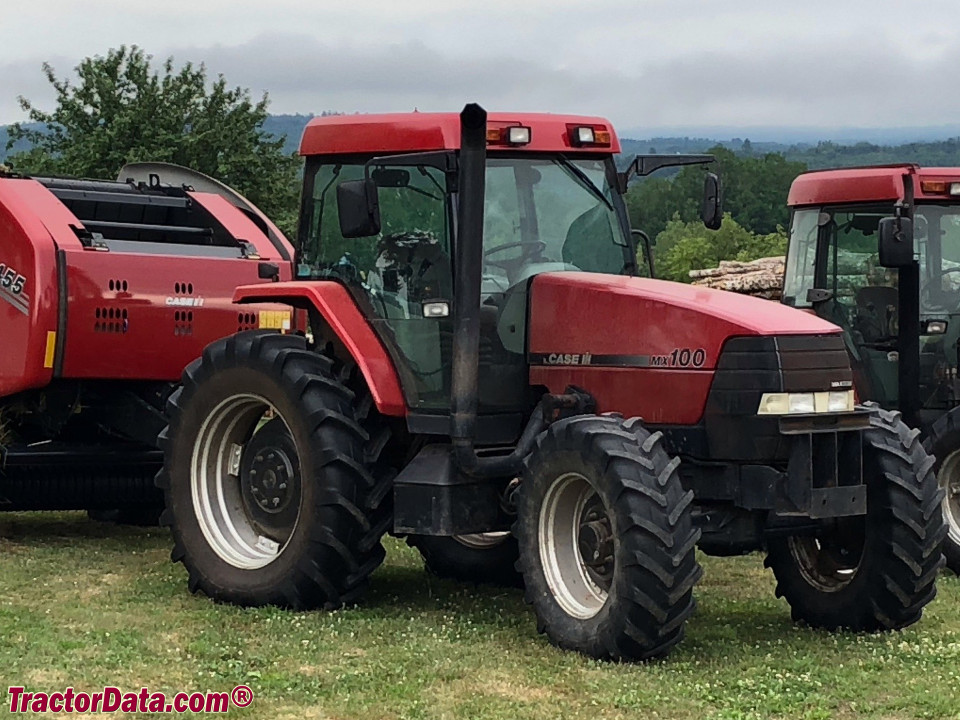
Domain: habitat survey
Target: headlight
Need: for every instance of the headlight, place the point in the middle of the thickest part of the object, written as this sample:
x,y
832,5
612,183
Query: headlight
x,y
805,403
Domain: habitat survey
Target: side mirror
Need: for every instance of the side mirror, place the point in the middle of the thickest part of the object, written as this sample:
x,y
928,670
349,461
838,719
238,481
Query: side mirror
x,y
358,207
712,211
895,242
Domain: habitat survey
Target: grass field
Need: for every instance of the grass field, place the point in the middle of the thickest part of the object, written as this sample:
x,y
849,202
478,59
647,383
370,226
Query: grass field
x,y
87,604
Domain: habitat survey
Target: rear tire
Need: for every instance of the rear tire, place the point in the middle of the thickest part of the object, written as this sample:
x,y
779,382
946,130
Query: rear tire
x,y
260,516
484,558
607,542
878,571
943,442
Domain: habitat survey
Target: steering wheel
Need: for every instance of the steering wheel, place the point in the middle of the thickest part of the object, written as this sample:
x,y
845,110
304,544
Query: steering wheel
x,y
927,290
539,244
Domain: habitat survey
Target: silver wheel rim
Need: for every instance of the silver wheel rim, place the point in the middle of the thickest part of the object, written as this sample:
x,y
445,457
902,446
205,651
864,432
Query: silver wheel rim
x,y
482,541
949,479
216,488
568,574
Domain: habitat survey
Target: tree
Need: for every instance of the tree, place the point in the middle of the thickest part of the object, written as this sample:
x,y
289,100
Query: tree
x,y
685,246
754,192
121,109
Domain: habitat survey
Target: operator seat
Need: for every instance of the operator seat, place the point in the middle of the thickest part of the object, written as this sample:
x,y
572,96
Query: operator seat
x,y
878,310
589,244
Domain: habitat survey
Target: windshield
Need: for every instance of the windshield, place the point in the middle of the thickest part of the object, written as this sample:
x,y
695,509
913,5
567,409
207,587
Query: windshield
x,y
551,213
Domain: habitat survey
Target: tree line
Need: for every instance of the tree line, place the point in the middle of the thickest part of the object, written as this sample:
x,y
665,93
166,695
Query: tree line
x,y
123,107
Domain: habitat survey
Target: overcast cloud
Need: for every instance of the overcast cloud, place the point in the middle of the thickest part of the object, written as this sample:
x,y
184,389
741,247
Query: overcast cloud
x,y
644,64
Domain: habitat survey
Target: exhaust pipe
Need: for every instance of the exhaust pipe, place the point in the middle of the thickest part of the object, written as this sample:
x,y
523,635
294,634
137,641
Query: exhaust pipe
x,y
468,271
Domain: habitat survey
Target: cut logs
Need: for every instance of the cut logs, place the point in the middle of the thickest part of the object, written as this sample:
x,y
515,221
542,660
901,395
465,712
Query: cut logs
x,y
760,278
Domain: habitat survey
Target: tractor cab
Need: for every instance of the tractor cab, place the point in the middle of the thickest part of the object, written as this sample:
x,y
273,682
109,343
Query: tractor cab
x,y
835,266
552,203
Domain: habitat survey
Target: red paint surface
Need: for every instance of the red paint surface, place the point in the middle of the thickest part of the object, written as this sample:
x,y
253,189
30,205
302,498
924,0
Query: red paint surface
x,y
424,132
865,184
580,313
26,246
333,301
156,340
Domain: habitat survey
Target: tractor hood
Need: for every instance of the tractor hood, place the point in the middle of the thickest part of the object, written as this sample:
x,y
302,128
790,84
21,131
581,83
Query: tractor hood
x,y
628,321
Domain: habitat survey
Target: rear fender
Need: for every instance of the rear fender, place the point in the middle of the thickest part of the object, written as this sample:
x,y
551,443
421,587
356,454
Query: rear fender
x,y
341,313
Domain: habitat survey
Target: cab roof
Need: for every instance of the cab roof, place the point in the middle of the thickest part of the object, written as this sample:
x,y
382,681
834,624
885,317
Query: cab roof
x,y
425,132
876,183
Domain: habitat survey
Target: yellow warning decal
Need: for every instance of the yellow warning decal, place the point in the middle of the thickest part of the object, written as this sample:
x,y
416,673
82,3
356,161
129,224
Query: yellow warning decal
x,y
51,349
275,319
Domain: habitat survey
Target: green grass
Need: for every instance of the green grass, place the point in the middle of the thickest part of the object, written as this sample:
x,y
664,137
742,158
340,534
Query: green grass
x,y
88,605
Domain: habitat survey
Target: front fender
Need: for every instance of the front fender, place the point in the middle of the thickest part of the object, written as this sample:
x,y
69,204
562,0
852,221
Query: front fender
x,y
341,313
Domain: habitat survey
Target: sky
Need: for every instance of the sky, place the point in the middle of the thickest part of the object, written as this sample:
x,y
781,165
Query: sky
x,y
645,64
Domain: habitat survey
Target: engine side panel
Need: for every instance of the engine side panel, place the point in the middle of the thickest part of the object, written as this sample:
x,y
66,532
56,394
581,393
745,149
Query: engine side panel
x,y
644,347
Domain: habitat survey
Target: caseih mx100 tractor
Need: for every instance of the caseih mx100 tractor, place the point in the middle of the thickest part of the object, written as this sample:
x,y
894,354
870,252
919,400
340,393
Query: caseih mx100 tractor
x,y
107,291
481,359
900,311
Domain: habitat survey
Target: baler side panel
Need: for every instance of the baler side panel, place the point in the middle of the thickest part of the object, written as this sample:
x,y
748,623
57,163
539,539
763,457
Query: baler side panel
x,y
341,313
29,300
145,317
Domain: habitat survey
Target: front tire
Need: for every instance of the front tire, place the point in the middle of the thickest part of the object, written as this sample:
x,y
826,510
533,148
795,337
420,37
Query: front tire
x,y
606,539
265,481
878,571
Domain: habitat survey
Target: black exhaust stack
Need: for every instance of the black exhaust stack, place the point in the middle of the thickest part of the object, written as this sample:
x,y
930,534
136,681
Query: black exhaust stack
x,y
468,261
468,271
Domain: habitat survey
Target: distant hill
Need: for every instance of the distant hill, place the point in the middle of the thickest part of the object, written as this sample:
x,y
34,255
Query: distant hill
x,y
288,126
938,150
816,156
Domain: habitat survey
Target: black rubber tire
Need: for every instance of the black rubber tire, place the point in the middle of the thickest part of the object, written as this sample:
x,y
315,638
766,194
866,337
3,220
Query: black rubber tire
x,y
942,440
448,558
902,541
335,544
655,568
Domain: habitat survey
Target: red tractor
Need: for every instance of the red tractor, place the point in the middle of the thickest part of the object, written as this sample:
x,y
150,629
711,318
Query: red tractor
x,y
482,359
899,309
107,291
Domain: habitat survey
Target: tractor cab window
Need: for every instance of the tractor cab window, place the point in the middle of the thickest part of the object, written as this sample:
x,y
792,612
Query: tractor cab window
x,y
937,237
392,274
801,257
550,213
864,292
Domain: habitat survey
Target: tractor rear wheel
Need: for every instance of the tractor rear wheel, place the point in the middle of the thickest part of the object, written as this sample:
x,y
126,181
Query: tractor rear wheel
x,y
872,572
482,558
265,478
606,539
943,442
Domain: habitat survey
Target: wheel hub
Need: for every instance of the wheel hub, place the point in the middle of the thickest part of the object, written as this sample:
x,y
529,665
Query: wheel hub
x,y
269,480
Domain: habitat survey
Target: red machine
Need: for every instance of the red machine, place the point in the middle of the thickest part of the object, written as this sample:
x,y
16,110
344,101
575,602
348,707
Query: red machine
x,y
901,324
107,291
478,338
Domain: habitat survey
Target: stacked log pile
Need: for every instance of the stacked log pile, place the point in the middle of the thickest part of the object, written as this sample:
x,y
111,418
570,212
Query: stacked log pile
x,y
760,278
